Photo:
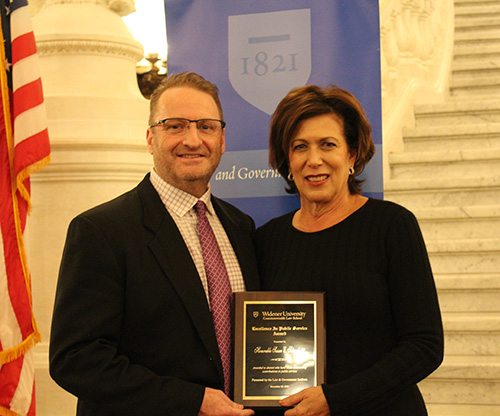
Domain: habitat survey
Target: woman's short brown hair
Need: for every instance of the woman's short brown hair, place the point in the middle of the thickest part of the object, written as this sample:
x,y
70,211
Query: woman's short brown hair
x,y
310,101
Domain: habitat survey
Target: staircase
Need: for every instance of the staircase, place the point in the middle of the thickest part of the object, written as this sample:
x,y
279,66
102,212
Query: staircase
x,y
449,177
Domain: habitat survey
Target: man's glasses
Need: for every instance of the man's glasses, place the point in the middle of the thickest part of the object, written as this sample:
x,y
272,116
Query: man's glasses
x,y
180,126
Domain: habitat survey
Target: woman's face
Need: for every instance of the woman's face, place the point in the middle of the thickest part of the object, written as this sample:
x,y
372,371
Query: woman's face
x,y
319,159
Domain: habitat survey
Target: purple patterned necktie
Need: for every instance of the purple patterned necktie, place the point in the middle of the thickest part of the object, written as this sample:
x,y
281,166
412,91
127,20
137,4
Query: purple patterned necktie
x,y
219,291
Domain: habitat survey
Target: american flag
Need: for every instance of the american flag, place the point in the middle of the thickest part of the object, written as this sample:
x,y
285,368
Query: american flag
x,y
24,148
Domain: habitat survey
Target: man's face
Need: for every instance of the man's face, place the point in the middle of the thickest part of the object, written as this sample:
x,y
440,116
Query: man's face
x,y
186,162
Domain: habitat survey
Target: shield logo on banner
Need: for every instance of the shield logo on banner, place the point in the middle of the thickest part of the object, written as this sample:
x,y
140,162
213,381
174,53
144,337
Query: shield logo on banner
x,y
269,54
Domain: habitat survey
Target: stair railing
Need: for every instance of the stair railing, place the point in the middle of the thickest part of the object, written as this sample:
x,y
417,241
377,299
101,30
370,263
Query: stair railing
x,y
416,39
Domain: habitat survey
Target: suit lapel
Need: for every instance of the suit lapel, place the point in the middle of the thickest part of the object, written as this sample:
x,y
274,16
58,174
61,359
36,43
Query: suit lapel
x,y
175,260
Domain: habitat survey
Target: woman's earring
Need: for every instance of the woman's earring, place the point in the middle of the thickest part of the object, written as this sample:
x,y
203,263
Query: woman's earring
x,y
351,170
290,177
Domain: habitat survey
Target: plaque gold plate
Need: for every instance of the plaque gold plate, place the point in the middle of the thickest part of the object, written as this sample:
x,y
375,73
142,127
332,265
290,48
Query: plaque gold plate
x,y
279,345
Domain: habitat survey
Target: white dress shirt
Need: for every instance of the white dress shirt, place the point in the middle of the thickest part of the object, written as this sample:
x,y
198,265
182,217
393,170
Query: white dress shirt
x,y
181,206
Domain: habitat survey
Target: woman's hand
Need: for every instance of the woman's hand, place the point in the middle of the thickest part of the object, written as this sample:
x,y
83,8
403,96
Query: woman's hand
x,y
308,402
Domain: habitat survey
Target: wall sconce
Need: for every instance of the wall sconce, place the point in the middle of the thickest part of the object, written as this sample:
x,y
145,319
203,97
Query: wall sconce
x,y
150,71
148,27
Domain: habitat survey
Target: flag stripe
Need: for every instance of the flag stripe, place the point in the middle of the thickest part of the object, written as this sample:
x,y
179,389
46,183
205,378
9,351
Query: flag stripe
x,y
20,20
27,97
23,46
21,401
26,71
10,333
19,299
30,148
11,373
30,123
32,410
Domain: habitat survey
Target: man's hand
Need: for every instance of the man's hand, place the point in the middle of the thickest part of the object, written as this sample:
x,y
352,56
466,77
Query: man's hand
x,y
216,403
308,402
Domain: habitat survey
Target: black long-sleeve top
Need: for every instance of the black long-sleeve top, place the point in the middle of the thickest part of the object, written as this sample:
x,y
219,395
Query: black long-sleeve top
x,y
384,329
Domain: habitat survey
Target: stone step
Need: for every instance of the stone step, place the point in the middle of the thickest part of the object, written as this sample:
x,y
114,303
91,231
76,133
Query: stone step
x,y
470,22
478,66
469,292
479,10
445,163
476,52
448,409
484,71
471,34
475,84
462,228
472,333
481,76
477,36
458,112
443,192
462,136
475,69
474,90
473,3
466,3
464,222
454,256
464,380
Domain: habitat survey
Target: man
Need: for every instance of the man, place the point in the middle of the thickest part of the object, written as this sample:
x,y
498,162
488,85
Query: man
x,y
132,331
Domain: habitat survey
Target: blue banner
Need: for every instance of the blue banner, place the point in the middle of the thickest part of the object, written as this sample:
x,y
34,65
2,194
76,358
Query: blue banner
x,y
256,51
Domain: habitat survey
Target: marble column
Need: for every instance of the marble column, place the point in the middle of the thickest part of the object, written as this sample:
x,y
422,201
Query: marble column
x,y
97,125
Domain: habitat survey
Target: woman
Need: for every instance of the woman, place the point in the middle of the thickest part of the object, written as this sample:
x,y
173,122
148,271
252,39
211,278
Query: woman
x,y
384,330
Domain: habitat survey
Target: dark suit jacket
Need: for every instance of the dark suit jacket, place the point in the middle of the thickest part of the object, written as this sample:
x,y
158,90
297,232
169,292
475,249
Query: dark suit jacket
x,y
132,333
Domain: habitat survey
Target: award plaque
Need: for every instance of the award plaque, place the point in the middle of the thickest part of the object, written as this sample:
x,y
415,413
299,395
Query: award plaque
x,y
279,345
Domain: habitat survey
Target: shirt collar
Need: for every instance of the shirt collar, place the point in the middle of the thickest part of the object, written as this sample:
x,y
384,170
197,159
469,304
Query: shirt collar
x,y
175,199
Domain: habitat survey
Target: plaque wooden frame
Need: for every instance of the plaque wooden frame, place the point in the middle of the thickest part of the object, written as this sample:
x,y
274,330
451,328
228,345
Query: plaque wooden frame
x,y
263,374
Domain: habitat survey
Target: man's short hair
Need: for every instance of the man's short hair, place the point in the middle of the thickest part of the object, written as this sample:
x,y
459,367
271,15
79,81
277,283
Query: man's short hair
x,y
184,79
